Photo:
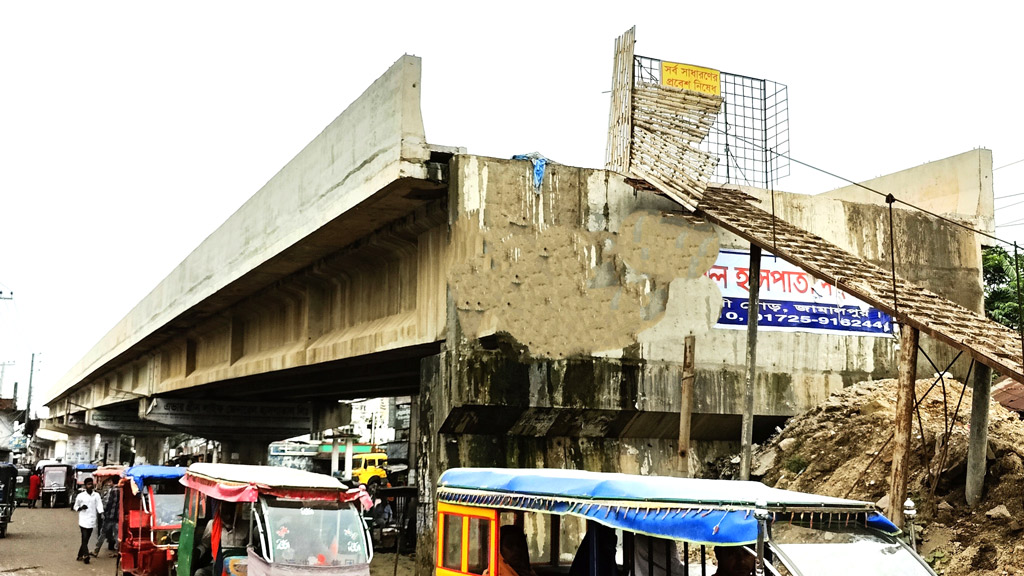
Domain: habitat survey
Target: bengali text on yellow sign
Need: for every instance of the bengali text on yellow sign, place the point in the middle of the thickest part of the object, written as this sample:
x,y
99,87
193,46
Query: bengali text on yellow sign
x,y
696,78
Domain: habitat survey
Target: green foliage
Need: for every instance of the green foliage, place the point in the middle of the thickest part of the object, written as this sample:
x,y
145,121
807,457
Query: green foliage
x,y
1001,280
796,464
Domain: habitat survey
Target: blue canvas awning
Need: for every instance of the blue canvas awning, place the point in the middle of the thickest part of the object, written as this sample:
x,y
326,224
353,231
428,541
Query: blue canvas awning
x,y
145,473
697,510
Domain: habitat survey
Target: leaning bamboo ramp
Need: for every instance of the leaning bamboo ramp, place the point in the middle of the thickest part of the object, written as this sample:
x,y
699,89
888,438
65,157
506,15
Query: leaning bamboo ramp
x,y
986,341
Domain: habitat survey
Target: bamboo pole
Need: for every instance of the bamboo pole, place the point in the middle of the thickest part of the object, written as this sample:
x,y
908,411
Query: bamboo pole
x,y
904,423
686,405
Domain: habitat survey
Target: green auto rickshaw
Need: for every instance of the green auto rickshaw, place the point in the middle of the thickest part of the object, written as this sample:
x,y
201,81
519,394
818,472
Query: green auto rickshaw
x,y
21,486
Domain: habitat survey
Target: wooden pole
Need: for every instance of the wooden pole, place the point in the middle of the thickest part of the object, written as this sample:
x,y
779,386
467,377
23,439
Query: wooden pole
x,y
977,443
686,406
753,307
904,423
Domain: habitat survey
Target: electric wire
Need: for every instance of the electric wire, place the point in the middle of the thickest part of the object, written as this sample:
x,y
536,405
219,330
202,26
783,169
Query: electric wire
x,y
1010,205
1010,164
870,189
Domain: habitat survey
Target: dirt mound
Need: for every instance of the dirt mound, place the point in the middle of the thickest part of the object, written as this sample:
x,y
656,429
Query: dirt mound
x,y
843,448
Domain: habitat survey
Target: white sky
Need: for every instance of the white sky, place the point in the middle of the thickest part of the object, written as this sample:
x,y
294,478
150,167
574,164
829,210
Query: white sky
x,y
130,130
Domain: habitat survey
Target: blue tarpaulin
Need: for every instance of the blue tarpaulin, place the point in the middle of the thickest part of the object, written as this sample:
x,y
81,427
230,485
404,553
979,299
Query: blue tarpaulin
x,y
539,165
696,510
144,473
86,467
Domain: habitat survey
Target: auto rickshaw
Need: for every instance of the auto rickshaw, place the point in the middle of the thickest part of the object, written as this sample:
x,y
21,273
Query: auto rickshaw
x,y
58,485
149,519
21,486
655,526
107,477
264,520
8,482
83,471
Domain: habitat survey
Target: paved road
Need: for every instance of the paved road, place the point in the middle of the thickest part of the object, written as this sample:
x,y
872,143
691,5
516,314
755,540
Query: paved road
x,y
44,542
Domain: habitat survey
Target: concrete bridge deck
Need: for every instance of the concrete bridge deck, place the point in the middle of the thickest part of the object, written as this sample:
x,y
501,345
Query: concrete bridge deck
x,y
533,325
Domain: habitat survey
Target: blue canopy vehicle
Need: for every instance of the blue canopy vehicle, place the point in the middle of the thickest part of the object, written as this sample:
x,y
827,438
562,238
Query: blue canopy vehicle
x,y
655,526
83,471
149,520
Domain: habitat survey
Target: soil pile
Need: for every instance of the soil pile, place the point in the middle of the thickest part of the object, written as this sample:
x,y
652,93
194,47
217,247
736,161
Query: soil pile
x,y
843,448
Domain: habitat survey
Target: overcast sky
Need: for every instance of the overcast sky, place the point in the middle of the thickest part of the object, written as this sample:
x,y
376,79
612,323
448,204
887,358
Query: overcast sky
x,y
130,130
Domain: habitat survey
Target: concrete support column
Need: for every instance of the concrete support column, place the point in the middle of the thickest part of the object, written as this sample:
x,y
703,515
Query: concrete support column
x,y
430,451
348,458
334,456
244,451
977,447
150,449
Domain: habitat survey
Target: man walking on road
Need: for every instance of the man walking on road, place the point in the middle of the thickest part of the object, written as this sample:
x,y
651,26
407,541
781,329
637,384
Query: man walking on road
x,y
90,513
108,527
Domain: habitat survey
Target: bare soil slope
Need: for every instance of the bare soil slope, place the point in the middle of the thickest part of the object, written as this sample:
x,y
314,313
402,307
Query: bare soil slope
x,y
843,448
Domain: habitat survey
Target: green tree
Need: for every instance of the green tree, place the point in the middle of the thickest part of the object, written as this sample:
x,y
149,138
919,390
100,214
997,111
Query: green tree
x,y
1001,282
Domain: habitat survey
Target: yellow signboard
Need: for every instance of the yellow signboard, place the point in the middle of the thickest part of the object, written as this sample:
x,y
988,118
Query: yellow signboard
x,y
689,77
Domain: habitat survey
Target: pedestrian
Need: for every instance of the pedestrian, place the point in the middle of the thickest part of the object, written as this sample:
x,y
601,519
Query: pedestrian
x,y
90,513
108,528
35,481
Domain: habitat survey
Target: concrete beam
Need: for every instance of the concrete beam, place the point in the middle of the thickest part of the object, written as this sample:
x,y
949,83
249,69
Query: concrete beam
x,y
124,422
219,420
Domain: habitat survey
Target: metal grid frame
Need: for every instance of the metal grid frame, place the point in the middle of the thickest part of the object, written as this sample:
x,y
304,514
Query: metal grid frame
x,y
751,133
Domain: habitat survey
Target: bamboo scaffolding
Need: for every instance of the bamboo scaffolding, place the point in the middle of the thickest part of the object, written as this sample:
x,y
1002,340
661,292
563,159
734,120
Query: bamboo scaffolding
x,y
620,111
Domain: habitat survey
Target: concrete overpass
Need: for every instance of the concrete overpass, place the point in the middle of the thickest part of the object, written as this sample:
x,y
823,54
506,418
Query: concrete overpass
x,y
327,284
534,323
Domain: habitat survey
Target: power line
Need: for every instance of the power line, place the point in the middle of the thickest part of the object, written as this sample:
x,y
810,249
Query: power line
x,y
869,189
1008,195
1010,205
1010,164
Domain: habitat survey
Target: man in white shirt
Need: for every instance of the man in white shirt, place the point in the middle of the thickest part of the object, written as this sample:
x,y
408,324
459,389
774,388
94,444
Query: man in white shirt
x,y
89,506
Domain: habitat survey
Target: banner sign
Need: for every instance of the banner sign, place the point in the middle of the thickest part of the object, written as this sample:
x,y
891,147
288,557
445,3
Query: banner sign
x,y
791,300
696,78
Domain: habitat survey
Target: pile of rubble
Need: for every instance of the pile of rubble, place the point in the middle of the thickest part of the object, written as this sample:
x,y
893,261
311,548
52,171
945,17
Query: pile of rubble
x,y
843,448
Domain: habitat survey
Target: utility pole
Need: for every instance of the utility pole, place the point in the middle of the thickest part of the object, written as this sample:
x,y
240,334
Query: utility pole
x,y
753,309
28,405
903,427
977,443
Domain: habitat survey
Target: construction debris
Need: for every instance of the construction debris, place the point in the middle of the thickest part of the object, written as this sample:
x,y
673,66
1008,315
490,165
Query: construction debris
x,y
843,448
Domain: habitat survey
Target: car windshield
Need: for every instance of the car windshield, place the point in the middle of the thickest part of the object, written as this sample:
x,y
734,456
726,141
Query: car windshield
x,y
315,533
847,549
